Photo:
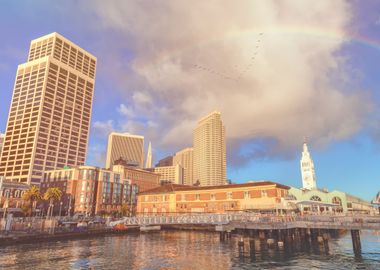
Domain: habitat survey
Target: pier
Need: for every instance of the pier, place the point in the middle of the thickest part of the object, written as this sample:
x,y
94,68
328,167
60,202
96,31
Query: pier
x,y
272,231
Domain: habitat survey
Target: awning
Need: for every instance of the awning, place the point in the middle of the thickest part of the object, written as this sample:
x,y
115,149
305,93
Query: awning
x,y
318,203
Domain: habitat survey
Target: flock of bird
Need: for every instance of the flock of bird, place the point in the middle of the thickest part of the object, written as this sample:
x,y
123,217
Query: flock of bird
x,y
240,73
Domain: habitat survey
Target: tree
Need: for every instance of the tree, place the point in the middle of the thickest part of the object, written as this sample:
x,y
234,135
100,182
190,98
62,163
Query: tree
x,y
32,195
52,194
125,209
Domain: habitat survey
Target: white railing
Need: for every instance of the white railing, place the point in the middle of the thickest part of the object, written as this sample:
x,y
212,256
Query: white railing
x,y
252,219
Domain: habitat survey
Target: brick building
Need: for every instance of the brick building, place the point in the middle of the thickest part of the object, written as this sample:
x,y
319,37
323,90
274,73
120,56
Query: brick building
x,y
90,190
253,196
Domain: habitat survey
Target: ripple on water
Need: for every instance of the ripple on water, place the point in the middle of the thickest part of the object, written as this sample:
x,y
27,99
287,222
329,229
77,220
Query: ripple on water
x,y
181,250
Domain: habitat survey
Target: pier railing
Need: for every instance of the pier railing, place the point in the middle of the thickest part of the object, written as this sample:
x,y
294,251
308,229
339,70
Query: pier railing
x,y
252,220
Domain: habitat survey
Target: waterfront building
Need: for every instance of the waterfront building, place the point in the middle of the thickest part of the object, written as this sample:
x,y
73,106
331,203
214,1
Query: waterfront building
x,y
2,137
170,174
319,201
91,190
309,180
126,146
262,196
167,161
185,159
11,196
149,157
49,117
210,151
144,179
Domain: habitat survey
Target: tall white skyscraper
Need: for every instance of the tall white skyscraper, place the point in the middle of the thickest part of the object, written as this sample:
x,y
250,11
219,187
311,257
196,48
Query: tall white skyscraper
x,y
49,118
185,159
210,151
309,180
126,146
149,157
2,137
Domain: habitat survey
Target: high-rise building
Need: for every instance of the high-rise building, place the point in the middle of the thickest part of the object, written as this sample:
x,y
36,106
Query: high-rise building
x,y
2,137
309,180
126,146
149,157
185,159
49,118
170,174
166,161
210,151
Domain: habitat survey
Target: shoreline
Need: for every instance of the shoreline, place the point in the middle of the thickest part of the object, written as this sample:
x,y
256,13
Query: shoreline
x,y
16,239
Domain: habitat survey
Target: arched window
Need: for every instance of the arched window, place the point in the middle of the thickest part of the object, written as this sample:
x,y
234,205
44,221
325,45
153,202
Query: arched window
x,y
17,194
315,198
337,201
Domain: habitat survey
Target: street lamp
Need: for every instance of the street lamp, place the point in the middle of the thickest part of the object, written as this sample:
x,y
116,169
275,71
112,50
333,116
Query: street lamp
x,y
69,212
60,208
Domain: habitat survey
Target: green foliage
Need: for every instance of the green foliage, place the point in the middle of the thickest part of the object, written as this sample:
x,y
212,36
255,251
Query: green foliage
x,y
53,194
32,195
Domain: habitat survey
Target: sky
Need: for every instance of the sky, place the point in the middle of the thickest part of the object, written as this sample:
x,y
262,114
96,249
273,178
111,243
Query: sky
x,y
279,72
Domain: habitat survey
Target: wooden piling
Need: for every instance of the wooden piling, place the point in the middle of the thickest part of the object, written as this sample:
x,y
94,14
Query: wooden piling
x,y
355,235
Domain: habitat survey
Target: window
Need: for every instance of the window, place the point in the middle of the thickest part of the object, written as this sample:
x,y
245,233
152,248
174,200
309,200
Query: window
x,y
197,197
247,195
212,197
264,193
337,201
315,198
229,195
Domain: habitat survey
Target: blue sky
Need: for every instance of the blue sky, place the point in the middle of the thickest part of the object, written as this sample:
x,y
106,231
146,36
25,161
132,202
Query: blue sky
x,y
315,75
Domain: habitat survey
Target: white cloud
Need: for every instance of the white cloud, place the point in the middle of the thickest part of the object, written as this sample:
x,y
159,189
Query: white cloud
x,y
126,111
190,59
102,129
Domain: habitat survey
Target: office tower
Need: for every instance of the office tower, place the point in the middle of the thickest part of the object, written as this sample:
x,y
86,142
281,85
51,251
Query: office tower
x,y
170,174
210,151
149,157
309,180
126,146
185,159
49,118
167,161
2,137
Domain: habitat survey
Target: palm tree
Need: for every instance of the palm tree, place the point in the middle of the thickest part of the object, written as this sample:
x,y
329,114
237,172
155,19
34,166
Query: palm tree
x,y
32,195
52,194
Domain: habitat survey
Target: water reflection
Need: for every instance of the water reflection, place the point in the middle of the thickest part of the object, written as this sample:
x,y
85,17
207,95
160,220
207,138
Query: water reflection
x,y
185,250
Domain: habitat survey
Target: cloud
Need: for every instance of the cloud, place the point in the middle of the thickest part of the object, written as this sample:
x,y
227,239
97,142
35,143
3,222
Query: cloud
x,y
271,67
97,153
102,129
126,111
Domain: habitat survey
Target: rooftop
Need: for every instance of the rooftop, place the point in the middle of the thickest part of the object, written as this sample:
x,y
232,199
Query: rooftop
x,y
176,187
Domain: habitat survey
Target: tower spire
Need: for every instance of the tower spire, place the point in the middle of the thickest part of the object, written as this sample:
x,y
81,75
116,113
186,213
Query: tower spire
x,y
148,163
307,169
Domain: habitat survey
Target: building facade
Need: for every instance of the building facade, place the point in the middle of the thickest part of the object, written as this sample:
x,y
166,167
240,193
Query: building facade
x,y
170,174
210,151
2,137
126,146
317,200
11,195
185,159
90,190
144,179
49,117
167,161
255,196
309,180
